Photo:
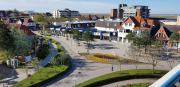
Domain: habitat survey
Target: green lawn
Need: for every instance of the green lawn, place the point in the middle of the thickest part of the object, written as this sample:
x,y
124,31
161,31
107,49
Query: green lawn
x,y
138,85
119,75
42,74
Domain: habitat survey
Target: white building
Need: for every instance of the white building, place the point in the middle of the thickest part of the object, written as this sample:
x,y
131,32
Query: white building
x,y
66,13
107,28
135,24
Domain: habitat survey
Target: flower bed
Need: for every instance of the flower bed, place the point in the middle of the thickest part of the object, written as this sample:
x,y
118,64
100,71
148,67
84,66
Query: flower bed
x,y
108,58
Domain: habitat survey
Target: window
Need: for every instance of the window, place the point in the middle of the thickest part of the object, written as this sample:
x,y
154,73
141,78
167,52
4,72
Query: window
x,y
130,24
127,31
126,24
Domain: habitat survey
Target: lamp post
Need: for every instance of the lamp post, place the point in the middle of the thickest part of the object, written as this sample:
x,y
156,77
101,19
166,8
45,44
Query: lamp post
x,y
74,80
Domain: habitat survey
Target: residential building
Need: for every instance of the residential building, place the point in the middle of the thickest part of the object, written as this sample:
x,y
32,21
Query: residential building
x,y
135,24
126,11
66,13
163,34
28,23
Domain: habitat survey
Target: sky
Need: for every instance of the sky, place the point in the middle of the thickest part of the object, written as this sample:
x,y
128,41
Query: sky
x,y
90,6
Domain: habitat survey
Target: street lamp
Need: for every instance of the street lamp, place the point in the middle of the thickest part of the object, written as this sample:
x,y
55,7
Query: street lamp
x,y
74,79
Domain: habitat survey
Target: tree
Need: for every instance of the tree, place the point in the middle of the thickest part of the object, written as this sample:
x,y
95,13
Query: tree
x,y
146,40
140,40
6,40
131,36
22,44
42,21
175,37
77,35
133,53
88,37
152,59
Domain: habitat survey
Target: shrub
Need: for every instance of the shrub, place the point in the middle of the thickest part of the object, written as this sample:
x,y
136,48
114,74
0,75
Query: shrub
x,y
43,52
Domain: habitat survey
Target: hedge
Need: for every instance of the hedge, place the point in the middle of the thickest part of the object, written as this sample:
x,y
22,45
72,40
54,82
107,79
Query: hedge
x,y
120,76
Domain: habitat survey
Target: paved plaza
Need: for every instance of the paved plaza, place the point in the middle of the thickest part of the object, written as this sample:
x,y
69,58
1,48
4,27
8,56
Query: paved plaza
x,y
83,69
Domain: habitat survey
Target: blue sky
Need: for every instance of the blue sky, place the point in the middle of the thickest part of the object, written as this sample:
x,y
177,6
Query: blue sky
x,y
91,6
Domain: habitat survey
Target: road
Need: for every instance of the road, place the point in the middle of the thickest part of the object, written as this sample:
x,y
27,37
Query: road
x,y
83,70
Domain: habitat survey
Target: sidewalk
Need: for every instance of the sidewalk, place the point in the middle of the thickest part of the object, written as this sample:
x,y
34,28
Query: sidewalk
x,y
51,55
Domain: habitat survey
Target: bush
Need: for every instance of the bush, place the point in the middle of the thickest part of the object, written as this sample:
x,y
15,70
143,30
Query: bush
x,y
43,52
120,76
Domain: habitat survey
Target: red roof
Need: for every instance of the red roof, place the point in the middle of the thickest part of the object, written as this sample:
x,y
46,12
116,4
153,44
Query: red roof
x,y
23,28
141,23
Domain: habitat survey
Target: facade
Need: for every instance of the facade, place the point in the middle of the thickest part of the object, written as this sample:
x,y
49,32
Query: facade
x,y
66,13
135,24
114,13
178,20
28,22
137,10
108,29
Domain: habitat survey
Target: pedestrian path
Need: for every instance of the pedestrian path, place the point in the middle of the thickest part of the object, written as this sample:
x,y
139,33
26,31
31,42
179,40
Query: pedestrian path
x,y
83,69
49,57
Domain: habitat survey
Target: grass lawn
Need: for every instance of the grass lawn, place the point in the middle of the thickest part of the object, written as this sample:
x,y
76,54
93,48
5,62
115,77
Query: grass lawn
x,y
108,58
138,85
120,75
42,74
3,55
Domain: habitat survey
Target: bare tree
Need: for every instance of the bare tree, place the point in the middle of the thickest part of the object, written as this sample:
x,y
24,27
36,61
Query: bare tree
x,y
133,53
153,58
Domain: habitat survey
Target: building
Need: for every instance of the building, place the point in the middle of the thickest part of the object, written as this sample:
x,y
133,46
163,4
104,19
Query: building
x,y
135,24
114,13
67,13
178,20
126,11
28,23
107,29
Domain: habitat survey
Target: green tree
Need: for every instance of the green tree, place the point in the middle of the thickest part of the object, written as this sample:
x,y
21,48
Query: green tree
x,y
22,43
131,36
42,21
88,37
6,40
77,35
146,40
175,37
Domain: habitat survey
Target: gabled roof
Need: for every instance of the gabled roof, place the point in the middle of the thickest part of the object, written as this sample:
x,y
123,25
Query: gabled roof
x,y
173,28
141,23
22,27
165,31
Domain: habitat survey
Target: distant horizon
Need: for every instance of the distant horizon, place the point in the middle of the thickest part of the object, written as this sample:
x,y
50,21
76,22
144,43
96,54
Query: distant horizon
x,y
173,14
90,6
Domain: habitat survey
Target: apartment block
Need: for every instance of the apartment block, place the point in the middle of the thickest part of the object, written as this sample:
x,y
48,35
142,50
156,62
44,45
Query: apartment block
x,y
67,13
126,11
